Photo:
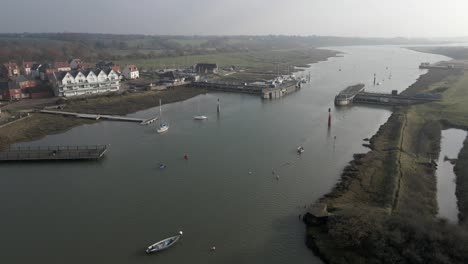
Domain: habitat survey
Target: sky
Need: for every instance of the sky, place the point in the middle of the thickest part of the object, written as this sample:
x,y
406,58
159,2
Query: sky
x,y
361,18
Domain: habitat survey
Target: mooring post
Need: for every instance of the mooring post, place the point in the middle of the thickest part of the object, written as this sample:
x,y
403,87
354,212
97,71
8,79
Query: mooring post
x,y
218,107
329,117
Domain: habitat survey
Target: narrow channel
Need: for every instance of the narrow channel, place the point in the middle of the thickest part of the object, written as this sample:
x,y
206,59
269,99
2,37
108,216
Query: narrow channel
x,y
451,144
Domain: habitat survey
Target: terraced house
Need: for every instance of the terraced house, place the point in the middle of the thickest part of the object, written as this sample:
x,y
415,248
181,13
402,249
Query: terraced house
x,y
82,82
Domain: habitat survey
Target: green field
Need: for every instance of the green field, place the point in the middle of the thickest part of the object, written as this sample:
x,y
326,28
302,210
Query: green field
x,y
249,60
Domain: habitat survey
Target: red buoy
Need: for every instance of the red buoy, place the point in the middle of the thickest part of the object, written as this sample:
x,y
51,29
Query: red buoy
x,y
185,157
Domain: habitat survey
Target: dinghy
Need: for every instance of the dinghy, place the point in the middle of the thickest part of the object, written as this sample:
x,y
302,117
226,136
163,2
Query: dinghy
x,y
300,149
163,244
200,117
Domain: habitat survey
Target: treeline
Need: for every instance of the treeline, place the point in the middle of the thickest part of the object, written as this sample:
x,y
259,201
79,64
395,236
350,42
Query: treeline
x,y
91,47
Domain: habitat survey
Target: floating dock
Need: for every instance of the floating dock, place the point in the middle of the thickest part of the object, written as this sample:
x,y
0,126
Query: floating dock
x,y
38,153
346,96
98,116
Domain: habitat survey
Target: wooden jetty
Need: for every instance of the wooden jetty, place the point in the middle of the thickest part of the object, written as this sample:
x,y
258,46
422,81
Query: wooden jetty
x,y
37,153
98,116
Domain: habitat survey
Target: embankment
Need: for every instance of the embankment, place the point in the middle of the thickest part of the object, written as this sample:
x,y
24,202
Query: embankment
x,y
122,104
383,209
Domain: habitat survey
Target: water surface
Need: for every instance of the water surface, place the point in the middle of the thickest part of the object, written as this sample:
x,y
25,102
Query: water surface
x,y
450,146
109,211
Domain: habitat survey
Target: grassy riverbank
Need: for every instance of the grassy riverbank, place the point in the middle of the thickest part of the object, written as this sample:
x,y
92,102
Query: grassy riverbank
x,y
122,104
265,60
461,171
385,205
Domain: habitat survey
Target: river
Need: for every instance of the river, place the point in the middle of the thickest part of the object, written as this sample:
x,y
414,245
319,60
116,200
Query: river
x,y
450,145
109,211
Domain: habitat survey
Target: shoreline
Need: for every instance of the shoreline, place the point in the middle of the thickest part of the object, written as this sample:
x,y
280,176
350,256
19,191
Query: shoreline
x,y
41,125
391,190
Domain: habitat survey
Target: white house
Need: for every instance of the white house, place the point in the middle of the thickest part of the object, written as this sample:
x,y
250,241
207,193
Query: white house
x,y
131,72
73,83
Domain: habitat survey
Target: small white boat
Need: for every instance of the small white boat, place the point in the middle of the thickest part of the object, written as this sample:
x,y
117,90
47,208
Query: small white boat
x,y
300,149
163,126
163,244
200,117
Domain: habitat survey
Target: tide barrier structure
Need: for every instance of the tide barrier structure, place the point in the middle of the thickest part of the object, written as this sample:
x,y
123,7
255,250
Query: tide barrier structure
x,y
264,91
392,99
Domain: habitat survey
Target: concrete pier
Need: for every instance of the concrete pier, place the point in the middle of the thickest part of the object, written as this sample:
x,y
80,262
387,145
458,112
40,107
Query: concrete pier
x,y
278,92
346,96
392,99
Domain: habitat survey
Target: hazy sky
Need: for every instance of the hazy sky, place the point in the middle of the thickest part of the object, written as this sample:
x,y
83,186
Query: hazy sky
x,y
379,18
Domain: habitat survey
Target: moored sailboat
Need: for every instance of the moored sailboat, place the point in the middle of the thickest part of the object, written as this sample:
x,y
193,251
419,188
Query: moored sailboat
x,y
163,126
198,116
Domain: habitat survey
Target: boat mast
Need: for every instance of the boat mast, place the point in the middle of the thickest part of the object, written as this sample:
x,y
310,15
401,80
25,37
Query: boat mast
x,y
160,112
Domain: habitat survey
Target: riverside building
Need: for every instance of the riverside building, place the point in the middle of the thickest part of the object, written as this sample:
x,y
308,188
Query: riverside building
x,y
84,82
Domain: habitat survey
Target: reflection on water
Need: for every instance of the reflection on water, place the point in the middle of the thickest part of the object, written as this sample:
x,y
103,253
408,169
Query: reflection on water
x,y
451,144
110,211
